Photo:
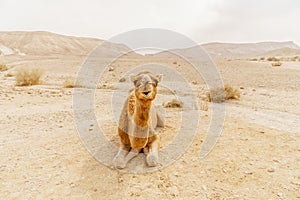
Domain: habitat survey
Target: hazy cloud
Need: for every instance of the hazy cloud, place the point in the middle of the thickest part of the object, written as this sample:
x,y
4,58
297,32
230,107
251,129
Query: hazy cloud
x,y
203,21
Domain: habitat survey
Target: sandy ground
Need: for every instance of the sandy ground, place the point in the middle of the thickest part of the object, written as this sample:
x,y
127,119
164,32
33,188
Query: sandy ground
x,y
256,157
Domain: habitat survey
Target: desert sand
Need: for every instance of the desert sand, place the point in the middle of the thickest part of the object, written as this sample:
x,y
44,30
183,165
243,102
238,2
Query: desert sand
x,y
42,157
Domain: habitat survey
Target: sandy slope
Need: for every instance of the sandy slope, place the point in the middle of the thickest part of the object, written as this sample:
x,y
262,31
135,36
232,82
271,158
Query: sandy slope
x,y
256,157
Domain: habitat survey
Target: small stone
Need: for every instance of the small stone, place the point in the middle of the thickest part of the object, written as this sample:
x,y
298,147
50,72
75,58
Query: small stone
x,y
122,79
173,191
271,170
248,172
110,69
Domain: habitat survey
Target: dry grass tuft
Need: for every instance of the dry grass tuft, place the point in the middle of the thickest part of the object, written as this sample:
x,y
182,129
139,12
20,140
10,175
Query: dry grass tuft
x,y
175,103
274,59
276,64
26,77
71,83
3,67
174,62
219,94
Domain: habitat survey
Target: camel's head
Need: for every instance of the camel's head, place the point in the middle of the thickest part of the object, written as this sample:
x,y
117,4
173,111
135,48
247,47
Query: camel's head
x,y
145,85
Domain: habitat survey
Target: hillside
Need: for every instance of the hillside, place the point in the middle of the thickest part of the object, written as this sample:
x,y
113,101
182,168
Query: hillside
x,y
46,43
284,52
230,50
245,50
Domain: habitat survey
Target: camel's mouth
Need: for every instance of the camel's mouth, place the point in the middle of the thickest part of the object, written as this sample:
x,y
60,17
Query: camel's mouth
x,y
146,93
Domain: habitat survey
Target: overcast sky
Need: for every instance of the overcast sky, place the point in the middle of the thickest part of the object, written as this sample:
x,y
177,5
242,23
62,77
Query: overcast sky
x,y
201,20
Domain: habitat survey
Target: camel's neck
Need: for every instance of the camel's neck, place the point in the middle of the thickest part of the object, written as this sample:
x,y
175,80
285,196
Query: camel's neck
x,y
142,112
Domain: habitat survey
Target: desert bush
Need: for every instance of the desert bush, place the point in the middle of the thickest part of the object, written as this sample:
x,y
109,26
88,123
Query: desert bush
x,y
276,64
71,83
175,103
26,77
3,67
175,62
262,58
220,94
253,59
273,59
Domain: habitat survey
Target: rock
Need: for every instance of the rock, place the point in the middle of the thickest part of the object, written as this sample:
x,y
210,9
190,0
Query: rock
x,y
122,79
248,172
271,170
173,191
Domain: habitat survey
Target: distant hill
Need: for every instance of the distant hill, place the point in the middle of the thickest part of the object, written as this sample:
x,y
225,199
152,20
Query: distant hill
x,y
245,50
46,43
230,50
283,52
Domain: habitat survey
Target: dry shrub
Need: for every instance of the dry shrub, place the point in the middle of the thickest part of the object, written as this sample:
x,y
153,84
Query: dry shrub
x,y
274,59
71,83
175,103
26,77
175,62
3,67
253,59
262,58
276,64
220,94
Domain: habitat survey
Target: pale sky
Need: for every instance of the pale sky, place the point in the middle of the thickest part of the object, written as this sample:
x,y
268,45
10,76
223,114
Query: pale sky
x,y
201,20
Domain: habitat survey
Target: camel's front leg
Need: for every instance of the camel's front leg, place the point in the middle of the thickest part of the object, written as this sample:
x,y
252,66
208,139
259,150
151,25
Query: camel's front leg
x,y
133,153
152,156
119,160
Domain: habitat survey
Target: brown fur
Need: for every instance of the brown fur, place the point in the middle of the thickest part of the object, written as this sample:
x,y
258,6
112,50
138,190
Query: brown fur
x,y
138,121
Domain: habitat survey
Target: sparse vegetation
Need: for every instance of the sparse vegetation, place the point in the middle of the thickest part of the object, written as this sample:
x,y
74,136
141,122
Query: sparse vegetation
x,y
3,67
253,59
175,103
274,59
70,83
276,64
220,94
296,58
26,77
174,62
262,58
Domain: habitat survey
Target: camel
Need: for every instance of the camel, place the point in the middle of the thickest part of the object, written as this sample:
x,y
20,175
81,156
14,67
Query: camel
x,y
138,121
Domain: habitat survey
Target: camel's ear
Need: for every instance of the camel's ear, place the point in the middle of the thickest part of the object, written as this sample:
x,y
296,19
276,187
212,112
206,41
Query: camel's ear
x,y
133,79
158,77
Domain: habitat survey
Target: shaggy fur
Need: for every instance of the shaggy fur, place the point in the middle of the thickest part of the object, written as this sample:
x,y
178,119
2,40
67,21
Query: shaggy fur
x,y
138,121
